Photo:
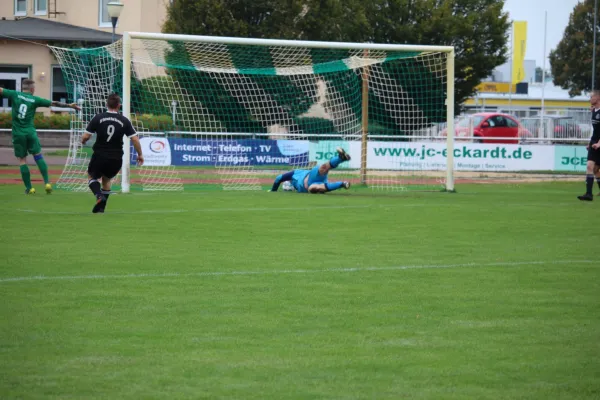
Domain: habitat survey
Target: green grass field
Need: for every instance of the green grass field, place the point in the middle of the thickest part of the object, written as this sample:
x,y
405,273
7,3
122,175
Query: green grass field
x,y
489,293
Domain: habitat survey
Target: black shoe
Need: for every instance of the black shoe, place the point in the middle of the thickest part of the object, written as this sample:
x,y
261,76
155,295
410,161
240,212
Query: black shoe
x,y
100,204
343,155
586,197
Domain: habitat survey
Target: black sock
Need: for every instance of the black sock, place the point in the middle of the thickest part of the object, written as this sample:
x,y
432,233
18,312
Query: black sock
x,y
598,180
106,193
589,184
95,187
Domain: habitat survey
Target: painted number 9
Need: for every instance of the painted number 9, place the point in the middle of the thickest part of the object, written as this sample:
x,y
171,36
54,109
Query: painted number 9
x,y
22,111
110,131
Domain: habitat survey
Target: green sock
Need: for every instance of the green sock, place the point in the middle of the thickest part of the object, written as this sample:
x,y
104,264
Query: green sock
x,y
41,163
26,176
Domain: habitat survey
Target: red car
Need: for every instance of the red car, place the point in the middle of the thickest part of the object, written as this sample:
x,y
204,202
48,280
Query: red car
x,y
487,126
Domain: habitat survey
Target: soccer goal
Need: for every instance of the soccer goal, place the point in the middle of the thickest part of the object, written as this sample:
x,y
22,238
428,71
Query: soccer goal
x,y
232,113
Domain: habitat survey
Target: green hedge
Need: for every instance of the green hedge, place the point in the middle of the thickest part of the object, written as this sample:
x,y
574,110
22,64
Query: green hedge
x,y
63,121
41,121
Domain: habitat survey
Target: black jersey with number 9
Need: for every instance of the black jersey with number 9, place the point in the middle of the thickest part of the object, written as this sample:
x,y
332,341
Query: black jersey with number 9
x,y
110,127
595,126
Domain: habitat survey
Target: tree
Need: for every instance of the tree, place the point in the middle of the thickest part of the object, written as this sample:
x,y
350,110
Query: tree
x,y
476,28
571,61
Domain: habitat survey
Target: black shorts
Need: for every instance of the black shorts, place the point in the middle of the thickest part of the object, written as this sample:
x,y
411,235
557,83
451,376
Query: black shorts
x,y
101,166
594,155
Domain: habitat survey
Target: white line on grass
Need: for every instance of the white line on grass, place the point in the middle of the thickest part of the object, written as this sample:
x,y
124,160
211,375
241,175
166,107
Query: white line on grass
x,y
388,206
290,271
233,209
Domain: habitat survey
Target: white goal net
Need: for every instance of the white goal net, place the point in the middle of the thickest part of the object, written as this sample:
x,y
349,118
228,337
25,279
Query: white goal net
x,y
231,113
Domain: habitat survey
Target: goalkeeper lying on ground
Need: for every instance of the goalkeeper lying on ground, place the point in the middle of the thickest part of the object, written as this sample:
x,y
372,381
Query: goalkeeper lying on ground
x,y
314,180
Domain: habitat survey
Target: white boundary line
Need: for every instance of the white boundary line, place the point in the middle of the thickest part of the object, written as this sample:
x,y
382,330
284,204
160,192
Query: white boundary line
x,y
386,206
290,271
207,210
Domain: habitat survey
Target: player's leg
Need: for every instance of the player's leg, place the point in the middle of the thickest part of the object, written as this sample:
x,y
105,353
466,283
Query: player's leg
x,y
20,150
317,179
280,179
334,162
26,175
95,175
589,179
597,175
327,187
110,169
106,182
34,147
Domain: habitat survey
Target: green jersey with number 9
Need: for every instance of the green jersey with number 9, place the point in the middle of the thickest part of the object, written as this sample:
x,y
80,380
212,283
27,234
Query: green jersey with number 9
x,y
23,111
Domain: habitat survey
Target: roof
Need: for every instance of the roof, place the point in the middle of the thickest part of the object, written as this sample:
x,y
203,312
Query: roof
x,y
43,29
535,92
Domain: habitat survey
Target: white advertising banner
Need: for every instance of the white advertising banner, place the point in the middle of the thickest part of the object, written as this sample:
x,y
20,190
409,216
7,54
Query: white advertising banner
x,y
156,151
421,156
467,156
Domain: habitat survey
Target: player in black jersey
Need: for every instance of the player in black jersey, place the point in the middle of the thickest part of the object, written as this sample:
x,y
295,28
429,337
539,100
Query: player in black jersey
x,y
593,148
110,127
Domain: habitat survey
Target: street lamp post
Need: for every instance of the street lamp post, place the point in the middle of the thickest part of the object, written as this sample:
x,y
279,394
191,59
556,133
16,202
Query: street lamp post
x,y
114,11
594,50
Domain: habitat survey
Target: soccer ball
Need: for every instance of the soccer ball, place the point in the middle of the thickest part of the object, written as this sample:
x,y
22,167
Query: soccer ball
x,y
287,187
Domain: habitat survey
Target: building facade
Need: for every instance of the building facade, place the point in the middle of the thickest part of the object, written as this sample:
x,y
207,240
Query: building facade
x,y
28,26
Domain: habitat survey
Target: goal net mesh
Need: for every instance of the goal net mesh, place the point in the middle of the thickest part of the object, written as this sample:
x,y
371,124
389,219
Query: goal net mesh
x,y
229,116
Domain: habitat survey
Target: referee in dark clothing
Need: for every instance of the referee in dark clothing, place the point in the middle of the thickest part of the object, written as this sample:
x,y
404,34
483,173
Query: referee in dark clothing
x,y
593,147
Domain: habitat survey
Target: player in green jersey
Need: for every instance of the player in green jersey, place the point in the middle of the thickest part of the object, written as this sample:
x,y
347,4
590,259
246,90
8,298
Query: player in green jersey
x,y
24,137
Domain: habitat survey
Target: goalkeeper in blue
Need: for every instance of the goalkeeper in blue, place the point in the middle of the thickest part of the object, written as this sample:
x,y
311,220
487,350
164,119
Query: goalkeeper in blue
x,y
314,180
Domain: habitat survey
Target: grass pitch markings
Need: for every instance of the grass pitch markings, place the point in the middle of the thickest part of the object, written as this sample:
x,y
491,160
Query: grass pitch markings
x,y
292,271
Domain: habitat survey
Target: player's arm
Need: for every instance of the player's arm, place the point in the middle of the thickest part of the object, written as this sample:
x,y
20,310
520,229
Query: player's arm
x,y
73,106
138,149
135,141
90,130
280,179
40,102
9,94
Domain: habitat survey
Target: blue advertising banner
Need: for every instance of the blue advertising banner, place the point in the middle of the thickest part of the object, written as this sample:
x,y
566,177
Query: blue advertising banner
x,y
205,152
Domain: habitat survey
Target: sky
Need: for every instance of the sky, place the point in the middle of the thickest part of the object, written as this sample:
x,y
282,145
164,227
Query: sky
x,y
532,11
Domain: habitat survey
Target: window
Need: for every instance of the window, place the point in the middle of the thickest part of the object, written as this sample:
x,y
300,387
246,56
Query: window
x,y
59,89
511,123
41,7
20,8
104,19
11,78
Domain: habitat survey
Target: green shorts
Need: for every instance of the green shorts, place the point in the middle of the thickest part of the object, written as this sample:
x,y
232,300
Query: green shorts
x,y
26,144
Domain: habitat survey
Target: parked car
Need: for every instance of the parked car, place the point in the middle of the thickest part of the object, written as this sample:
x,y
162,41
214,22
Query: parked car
x,y
557,127
487,126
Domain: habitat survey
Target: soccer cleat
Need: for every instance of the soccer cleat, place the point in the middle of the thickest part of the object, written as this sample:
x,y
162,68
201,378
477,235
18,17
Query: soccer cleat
x,y
100,204
346,185
586,197
30,191
48,188
343,155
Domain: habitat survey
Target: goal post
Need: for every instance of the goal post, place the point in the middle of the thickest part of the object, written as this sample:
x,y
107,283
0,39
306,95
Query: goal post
x,y
232,113
450,122
125,171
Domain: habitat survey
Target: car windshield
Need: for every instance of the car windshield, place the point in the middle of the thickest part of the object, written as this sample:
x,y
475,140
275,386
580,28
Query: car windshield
x,y
464,123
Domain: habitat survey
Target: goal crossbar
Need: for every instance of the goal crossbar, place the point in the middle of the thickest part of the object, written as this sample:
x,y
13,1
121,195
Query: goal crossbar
x,y
285,43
